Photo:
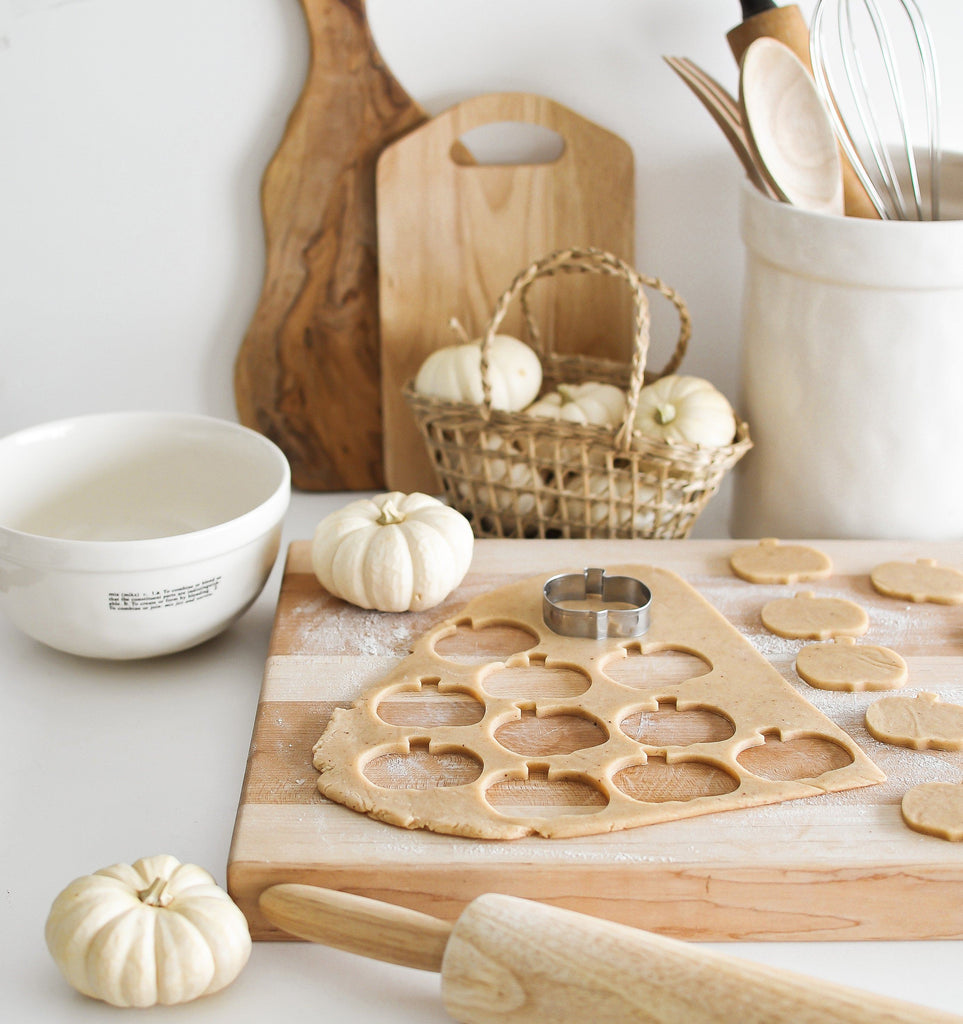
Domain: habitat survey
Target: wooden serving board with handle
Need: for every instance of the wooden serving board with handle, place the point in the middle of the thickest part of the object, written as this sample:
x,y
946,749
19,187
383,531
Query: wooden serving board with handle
x,y
836,866
452,235
306,374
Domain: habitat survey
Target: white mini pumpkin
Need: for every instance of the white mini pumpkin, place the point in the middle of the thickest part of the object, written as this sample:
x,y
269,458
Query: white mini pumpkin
x,y
690,409
454,373
601,405
394,552
513,481
156,931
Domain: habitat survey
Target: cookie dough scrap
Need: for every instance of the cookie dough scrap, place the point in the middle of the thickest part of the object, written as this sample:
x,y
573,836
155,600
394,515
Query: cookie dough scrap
x,y
922,722
935,809
471,779
807,617
922,580
769,561
845,665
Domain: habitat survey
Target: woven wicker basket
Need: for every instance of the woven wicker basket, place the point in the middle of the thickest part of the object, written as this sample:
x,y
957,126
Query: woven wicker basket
x,y
515,475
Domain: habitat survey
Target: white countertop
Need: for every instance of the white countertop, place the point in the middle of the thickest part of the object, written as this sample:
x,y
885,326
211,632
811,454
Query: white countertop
x,y
105,762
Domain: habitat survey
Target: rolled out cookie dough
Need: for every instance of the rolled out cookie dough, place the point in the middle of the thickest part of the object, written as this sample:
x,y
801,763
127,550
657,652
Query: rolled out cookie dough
x,y
922,580
935,809
807,617
845,665
923,722
772,562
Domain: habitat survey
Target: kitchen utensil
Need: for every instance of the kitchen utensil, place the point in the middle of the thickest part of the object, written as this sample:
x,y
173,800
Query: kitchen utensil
x,y
510,959
127,535
788,128
862,104
307,372
787,24
840,867
566,605
725,112
451,238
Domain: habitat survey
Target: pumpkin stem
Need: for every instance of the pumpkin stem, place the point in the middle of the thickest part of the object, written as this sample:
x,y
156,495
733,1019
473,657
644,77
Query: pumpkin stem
x,y
456,325
390,516
665,413
156,894
565,391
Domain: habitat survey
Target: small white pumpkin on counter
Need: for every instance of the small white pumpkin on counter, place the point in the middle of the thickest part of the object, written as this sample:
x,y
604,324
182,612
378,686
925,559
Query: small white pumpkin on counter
x,y
156,931
454,373
594,403
690,409
394,552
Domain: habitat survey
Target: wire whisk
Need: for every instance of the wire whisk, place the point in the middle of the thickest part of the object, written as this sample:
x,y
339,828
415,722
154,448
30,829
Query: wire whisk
x,y
871,94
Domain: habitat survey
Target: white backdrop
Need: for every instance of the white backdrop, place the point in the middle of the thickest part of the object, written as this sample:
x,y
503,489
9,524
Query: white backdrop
x,y
134,134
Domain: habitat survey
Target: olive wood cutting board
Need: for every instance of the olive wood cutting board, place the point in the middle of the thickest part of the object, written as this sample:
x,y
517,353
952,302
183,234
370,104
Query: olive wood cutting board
x,y
453,234
306,373
835,866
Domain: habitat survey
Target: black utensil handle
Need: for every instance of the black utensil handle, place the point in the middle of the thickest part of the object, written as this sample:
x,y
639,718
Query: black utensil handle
x,y
750,8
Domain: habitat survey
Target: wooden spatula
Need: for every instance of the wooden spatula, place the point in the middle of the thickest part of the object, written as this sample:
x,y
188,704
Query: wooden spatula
x,y
513,960
308,374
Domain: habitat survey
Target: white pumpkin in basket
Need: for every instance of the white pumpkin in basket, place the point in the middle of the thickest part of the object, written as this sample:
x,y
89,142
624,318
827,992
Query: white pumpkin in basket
x,y
394,552
616,507
601,405
156,931
508,479
688,409
454,373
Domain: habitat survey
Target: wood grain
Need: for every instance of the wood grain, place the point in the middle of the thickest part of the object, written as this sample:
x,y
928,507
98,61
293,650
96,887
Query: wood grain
x,y
307,372
837,866
507,959
451,238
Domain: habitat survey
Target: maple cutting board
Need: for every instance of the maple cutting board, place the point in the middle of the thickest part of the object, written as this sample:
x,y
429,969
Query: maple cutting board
x,y
835,866
452,235
306,374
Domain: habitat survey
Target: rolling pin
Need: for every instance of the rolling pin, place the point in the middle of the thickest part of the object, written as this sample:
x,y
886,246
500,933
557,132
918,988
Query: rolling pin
x,y
787,24
508,960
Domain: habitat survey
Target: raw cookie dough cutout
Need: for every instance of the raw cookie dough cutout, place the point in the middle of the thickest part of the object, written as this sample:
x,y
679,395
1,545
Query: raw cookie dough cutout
x,y
807,617
845,665
575,737
922,580
935,809
769,561
922,722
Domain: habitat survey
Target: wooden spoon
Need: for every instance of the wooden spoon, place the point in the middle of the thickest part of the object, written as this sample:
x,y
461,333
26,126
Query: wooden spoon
x,y
725,112
789,129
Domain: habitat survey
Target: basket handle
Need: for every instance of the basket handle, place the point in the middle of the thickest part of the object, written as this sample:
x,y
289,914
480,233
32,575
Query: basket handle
x,y
595,261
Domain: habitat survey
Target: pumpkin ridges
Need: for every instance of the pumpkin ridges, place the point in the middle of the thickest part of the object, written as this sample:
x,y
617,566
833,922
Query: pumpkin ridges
x,y
111,945
394,567
182,973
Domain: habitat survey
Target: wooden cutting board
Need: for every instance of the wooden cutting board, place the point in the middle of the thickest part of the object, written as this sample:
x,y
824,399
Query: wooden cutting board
x,y
306,374
837,866
452,235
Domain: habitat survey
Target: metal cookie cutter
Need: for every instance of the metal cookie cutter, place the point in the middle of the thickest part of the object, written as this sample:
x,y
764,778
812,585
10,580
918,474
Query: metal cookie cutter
x,y
591,624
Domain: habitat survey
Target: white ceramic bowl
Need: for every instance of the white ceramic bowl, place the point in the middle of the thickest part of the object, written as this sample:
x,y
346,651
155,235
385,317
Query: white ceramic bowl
x,y
128,535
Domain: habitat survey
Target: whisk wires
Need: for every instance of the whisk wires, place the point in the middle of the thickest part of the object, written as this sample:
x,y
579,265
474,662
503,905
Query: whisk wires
x,y
871,156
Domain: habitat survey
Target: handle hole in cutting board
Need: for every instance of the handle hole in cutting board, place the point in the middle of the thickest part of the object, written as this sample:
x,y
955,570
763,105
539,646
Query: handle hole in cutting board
x,y
508,143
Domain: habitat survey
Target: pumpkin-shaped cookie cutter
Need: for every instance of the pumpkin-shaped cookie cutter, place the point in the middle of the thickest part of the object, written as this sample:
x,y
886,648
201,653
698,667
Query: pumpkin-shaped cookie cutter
x,y
591,623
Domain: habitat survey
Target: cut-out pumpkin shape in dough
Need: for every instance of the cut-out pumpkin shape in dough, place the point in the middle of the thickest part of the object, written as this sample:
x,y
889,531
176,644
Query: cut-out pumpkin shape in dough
x,y
552,755
922,580
922,722
844,664
935,809
807,617
769,561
